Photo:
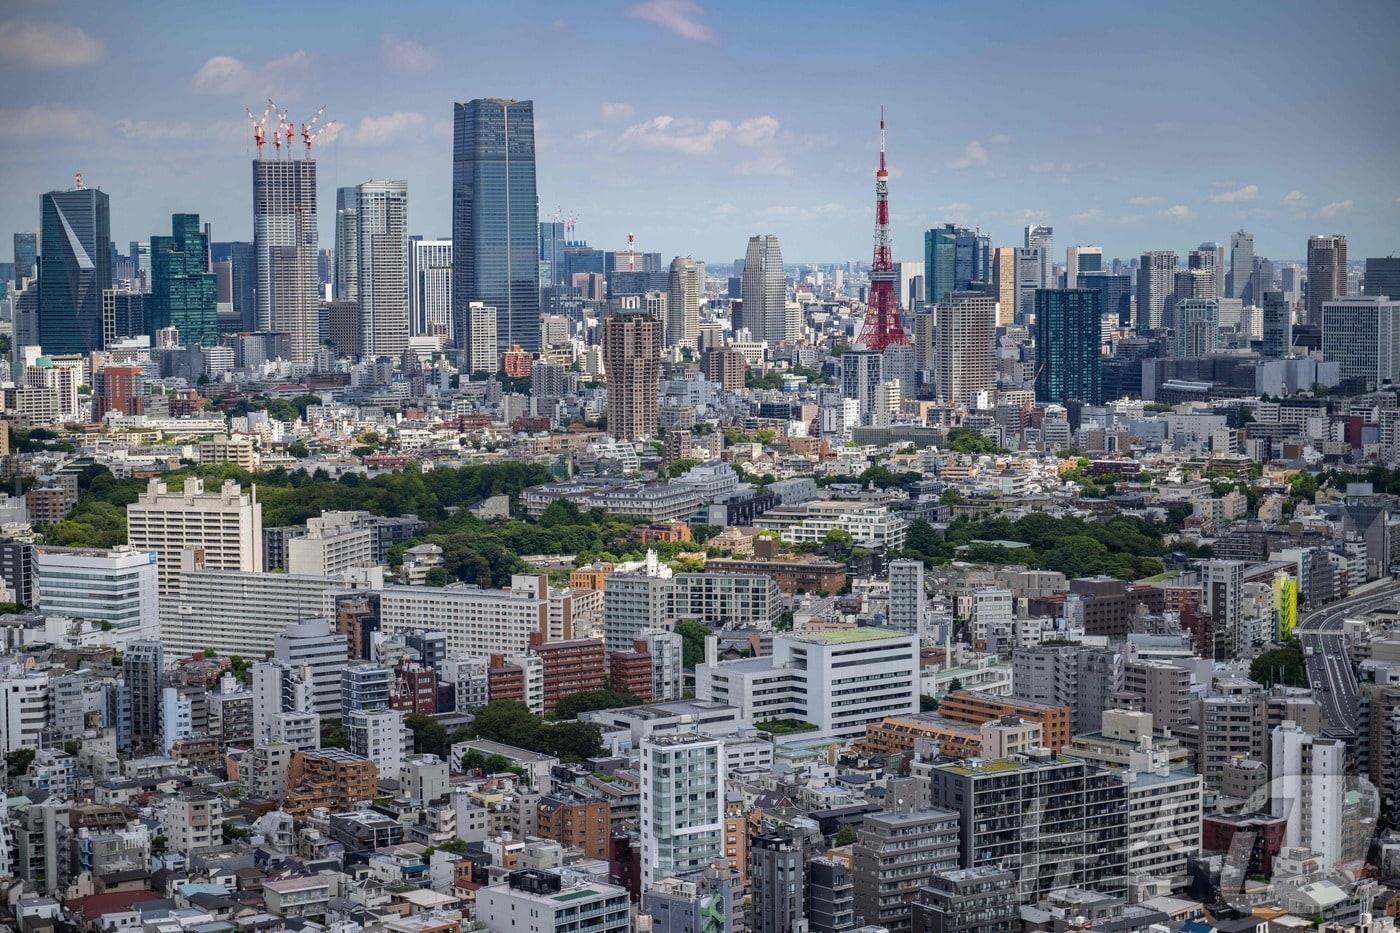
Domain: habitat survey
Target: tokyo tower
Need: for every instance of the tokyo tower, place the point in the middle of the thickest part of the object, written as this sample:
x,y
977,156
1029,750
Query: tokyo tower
x,y
882,328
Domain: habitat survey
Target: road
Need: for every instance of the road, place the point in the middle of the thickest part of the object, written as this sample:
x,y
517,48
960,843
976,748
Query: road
x,y
1330,663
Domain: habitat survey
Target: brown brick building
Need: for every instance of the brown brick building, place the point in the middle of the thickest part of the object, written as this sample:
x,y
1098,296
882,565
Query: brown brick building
x,y
571,667
976,708
630,672
576,821
329,777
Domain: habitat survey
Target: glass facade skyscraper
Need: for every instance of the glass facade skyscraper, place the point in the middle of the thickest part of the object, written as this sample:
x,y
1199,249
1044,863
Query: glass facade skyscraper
x,y
1067,338
1116,292
75,267
182,285
954,258
495,220
26,253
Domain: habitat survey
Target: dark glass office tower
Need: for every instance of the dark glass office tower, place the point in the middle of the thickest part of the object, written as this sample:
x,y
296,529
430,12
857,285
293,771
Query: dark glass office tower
x,y
26,252
1068,324
244,271
495,220
552,242
1278,324
1116,291
182,286
954,258
75,266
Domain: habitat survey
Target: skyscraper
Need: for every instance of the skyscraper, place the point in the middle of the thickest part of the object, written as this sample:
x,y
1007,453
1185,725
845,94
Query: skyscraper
x,y
632,360
1241,263
683,304
1081,259
764,290
552,240
284,246
381,217
182,286
1028,271
495,220
1205,259
1327,273
1067,338
1042,238
347,246
430,287
1155,284
26,254
75,267
964,349
1115,291
1004,284
1278,324
243,270
1362,335
954,258
1197,329
1382,276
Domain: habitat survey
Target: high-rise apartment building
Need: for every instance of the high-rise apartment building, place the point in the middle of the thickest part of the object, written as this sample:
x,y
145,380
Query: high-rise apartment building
x,y
968,900
1196,327
1068,324
1004,284
1327,273
1278,324
75,267
954,258
862,374
316,647
965,347
683,303
1156,283
182,286
1042,239
1362,335
897,851
764,290
143,662
480,323
220,530
682,804
778,878
1205,260
285,242
430,288
1080,260
495,220
1309,786
632,360
347,245
908,601
381,217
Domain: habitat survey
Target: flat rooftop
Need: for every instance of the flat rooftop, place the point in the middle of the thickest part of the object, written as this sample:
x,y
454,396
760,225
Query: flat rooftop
x,y
848,636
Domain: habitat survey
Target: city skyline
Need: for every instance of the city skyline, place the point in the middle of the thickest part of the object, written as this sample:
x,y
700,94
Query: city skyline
x,y
676,147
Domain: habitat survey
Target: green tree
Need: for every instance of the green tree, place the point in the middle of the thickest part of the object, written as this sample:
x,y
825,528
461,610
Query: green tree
x,y
927,704
845,836
506,721
680,466
18,761
575,703
429,735
333,734
970,441
693,635
1282,665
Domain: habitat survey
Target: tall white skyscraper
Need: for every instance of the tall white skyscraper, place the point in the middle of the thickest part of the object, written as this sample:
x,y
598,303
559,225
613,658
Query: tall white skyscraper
x,y
381,214
347,246
1241,264
1308,787
965,346
430,287
907,598
481,332
1156,283
764,290
682,804
683,304
1042,238
285,252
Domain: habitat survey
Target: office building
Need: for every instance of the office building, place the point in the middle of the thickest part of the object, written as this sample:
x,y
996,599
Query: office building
x,y
242,267
1081,260
534,901
682,804
968,900
193,528
1327,274
347,245
862,374
965,347
1382,276
17,569
897,851
123,315
315,647
1068,338
430,288
683,303
116,586
954,258
1028,269
1205,260
632,359
1055,822
1196,327
1361,334
908,600
1278,325
764,290
26,255
381,217
1042,239
75,267
1241,266
1156,284
182,286
495,221
1004,284
285,242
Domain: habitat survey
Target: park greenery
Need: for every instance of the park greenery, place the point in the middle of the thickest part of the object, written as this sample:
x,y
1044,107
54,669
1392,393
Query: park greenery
x,y
510,722
588,700
1284,665
971,441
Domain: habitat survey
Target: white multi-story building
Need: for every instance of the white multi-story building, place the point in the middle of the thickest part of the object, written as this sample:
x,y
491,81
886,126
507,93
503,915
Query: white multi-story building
x,y
334,543
222,449
1308,788
964,354
633,603
1361,334
430,287
477,622
908,602
176,718
839,681
737,600
217,530
381,215
315,647
683,303
116,585
538,902
869,525
193,820
682,804
24,710
381,736
481,322
763,287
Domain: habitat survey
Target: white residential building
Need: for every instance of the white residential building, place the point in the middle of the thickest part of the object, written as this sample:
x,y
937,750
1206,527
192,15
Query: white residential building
x,y
24,710
381,736
333,543
481,322
539,902
1308,787
192,528
316,647
870,525
382,217
430,287
682,804
908,602
477,622
117,586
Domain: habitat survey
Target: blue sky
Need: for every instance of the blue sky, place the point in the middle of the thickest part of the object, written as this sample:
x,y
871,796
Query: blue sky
x,y
695,123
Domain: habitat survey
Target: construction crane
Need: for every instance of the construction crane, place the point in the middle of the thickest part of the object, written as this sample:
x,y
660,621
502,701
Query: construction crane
x,y
259,126
306,135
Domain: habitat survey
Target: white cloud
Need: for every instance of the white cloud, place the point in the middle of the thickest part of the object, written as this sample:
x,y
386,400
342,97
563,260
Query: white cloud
x,y
374,131
225,75
692,136
48,122
974,153
1092,213
681,17
756,132
726,209
406,55
587,136
1178,212
1295,197
47,45
772,165
1336,207
1000,139
1236,195
1146,200
957,207
149,130
617,111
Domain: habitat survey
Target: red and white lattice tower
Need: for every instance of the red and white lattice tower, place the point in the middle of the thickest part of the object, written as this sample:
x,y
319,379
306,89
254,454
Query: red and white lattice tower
x,y
882,327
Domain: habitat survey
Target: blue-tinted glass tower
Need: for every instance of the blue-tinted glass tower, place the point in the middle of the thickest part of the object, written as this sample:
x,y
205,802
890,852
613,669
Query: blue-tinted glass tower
x,y
182,287
954,258
75,267
1068,332
495,220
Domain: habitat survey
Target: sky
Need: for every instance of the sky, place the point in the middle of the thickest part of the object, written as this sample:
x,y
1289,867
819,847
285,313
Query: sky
x,y
697,123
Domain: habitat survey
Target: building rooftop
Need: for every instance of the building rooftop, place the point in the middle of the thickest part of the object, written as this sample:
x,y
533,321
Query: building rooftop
x,y
848,636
